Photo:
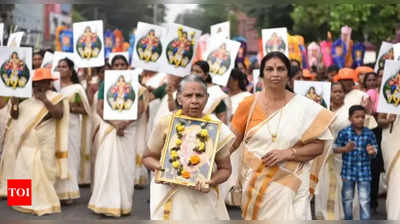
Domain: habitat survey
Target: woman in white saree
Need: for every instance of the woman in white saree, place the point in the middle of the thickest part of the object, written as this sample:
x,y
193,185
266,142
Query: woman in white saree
x,y
202,202
114,161
281,132
79,110
37,140
391,156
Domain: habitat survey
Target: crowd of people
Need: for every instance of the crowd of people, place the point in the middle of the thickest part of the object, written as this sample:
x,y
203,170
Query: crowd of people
x,y
277,152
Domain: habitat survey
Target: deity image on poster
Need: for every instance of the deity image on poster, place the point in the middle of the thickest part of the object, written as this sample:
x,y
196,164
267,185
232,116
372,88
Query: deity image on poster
x,y
66,39
121,95
14,72
388,55
275,43
219,60
89,44
149,47
180,50
312,94
391,90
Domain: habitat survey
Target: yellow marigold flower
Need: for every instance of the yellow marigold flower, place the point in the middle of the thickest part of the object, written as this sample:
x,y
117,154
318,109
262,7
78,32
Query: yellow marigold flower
x,y
207,117
176,164
180,128
174,154
179,112
186,174
203,133
178,142
194,160
201,146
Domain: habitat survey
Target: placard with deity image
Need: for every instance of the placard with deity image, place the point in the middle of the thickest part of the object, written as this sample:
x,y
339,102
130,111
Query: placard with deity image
x,y
180,45
385,53
88,43
221,55
396,52
16,71
275,39
57,56
121,94
148,46
14,40
221,29
47,60
389,95
189,153
319,92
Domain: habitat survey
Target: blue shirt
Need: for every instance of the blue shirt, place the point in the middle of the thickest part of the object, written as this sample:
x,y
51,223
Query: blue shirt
x,y
356,164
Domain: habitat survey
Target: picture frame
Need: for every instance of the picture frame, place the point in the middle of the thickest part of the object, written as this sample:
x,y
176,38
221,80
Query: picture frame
x,y
195,163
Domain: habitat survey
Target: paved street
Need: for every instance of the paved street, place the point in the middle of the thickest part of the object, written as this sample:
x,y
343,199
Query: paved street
x,y
80,211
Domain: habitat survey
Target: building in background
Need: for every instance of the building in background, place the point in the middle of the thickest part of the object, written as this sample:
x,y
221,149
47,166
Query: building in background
x,y
247,28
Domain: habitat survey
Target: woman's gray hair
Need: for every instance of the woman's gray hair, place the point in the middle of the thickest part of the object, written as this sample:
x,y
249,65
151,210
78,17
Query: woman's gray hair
x,y
191,78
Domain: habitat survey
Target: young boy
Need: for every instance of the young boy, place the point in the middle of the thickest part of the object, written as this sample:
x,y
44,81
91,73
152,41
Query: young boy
x,y
357,145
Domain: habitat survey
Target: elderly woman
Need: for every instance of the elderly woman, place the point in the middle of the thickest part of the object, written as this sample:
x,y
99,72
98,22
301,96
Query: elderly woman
x,y
203,201
281,133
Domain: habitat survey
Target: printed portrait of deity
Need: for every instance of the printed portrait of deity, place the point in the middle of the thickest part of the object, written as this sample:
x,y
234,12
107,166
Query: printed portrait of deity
x,y
389,55
149,47
89,44
391,90
312,94
219,60
275,43
121,95
180,50
14,72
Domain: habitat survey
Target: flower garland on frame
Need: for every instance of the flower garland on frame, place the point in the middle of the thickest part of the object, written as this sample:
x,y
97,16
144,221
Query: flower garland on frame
x,y
202,137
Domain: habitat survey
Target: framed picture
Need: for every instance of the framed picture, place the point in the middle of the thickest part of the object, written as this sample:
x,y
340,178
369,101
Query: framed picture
x,y
389,95
385,53
275,39
221,55
148,47
179,51
121,94
16,71
221,29
319,92
189,153
47,60
88,43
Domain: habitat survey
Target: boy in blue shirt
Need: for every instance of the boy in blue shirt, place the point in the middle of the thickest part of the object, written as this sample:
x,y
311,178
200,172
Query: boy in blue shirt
x,y
357,145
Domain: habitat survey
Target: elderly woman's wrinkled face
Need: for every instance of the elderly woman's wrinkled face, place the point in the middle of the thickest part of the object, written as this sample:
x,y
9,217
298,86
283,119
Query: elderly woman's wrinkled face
x,y
193,98
275,73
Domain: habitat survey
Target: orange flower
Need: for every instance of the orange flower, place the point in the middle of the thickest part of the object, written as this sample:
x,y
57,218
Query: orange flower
x,y
186,174
194,160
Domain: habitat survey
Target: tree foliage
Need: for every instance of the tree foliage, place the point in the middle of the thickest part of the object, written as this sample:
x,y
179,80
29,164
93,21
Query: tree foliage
x,y
206,15
375,21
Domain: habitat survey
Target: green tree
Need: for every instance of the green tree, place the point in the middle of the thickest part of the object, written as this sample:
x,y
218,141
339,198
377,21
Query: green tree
x,y
375,21
206,15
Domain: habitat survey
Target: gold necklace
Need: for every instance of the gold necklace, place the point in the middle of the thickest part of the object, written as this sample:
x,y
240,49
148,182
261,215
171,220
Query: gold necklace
x,y
274,136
